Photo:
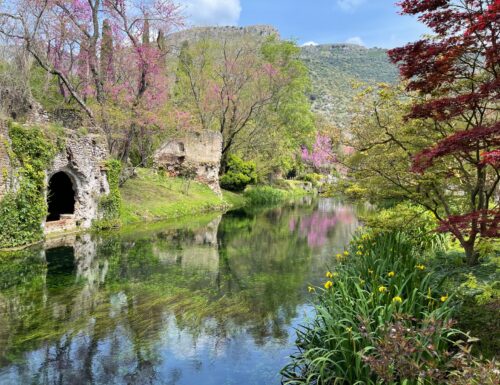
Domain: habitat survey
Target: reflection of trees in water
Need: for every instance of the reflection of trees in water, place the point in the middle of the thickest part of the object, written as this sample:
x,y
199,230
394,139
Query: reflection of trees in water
x,y
317,226
104,319
264,265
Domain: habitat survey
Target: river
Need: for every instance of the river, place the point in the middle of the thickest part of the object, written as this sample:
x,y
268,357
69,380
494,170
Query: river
x,y
213,300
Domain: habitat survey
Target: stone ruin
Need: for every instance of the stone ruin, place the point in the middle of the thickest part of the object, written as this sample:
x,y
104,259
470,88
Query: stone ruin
x,y
75,180
197,154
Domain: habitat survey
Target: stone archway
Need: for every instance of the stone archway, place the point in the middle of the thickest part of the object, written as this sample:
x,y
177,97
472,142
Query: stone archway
x,y
61,196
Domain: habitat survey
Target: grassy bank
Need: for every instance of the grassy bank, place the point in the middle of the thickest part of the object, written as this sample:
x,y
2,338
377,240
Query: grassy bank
x,y
151,197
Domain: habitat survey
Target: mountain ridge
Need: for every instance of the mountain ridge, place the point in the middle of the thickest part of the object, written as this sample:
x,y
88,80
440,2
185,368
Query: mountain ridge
x,y
334,67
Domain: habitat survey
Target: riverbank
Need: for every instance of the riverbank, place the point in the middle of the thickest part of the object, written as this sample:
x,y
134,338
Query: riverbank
x,y
151,196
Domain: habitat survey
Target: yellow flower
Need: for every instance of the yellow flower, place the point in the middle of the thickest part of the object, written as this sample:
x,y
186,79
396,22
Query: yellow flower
x,y
311,289
391,274
370,271
328,284
444,298
420,267
349,330
361,281
359,253
360,247
346,253
397,299
329,274
382,289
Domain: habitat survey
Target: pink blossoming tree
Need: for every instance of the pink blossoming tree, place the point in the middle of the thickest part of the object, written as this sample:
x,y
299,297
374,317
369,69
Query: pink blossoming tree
x,y
102,55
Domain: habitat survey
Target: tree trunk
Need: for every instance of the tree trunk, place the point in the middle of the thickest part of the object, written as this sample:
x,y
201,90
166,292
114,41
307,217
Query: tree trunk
x,y
471,254
223,163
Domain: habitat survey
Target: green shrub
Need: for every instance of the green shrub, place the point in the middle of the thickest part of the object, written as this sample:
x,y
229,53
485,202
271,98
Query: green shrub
x,y
315,179
416,222
379,319
355,191
262,195
239,174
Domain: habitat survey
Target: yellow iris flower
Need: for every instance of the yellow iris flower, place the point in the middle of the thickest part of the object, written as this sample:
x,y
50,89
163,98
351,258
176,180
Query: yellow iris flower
x,y
328,284
397,299
382,289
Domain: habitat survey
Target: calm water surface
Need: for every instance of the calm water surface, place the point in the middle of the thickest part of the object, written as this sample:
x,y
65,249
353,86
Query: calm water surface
x,y
212,301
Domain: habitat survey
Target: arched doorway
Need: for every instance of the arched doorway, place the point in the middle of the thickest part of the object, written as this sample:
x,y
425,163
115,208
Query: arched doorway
x,y
60,196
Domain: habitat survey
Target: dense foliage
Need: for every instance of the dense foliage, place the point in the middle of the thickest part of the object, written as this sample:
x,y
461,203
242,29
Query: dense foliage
x,y
23,210
386,144
456,75
239,174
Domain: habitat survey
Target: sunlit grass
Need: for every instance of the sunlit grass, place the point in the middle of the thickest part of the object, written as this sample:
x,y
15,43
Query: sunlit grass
x,y
152,196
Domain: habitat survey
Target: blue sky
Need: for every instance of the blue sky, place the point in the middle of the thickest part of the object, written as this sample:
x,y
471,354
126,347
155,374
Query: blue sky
x,y
367,22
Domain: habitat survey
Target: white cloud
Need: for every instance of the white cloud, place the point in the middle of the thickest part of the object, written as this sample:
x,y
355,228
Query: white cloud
x,y
355,40
309,44
212,12
349,5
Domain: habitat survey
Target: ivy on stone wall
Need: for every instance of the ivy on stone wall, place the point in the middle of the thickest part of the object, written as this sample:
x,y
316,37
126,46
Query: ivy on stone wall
x,y
110,205
22,211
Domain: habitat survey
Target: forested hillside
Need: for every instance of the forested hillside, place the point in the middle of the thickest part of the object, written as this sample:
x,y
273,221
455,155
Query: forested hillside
x,y
334,68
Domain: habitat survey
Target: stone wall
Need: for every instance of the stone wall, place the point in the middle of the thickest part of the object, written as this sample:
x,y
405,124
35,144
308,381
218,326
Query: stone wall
x,y
197,152
83,161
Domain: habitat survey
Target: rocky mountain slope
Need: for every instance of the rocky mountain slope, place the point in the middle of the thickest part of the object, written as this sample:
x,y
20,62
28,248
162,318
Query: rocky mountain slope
x,y
335,67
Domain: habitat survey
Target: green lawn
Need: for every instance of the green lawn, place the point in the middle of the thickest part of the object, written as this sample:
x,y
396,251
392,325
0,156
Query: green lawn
x,y
151,196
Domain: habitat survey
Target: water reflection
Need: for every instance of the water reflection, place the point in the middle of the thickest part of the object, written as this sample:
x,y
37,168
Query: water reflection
x,y
212,302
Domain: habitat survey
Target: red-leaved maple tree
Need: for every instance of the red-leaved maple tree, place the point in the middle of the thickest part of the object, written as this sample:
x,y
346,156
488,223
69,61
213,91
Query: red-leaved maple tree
x,y
455,72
